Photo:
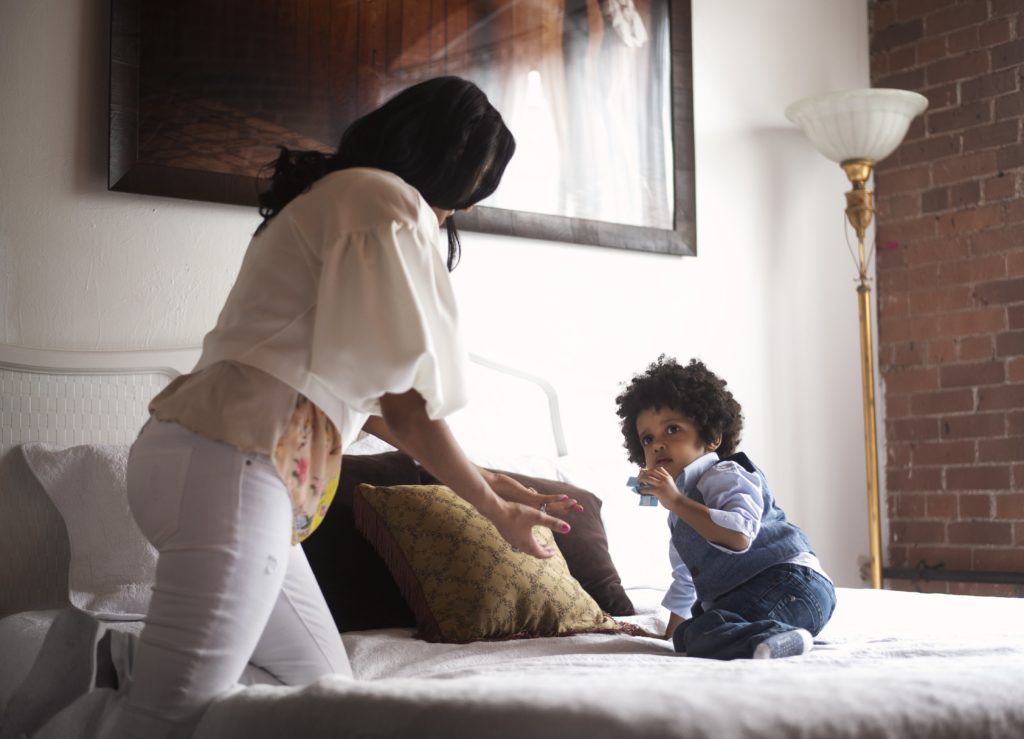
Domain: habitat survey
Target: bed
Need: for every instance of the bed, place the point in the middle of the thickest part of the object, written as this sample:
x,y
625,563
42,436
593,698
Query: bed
x,y
890,664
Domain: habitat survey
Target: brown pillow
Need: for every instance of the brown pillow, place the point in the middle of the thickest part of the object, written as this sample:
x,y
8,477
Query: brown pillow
x,y
585,548
355,581
462,579
358,587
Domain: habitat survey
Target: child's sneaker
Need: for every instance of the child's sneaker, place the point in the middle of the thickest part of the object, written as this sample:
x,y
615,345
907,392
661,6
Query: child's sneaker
x,y
787,644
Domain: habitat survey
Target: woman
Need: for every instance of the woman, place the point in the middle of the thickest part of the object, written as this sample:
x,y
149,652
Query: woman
x,y
342,317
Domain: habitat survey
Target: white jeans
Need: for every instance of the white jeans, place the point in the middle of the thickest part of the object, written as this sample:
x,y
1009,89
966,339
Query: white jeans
x,y
230,587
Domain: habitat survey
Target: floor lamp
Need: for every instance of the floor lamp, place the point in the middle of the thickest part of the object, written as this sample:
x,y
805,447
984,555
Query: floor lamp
x,y
857,129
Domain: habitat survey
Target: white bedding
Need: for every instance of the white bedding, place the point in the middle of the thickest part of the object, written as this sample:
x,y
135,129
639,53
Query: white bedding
x,y
890,664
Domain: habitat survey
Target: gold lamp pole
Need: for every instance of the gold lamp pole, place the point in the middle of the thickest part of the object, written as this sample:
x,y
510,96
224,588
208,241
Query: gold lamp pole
x,y
857,129
860,207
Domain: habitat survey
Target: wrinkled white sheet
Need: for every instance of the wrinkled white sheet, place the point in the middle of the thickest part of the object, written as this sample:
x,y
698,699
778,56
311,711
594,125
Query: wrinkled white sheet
x,y
890,664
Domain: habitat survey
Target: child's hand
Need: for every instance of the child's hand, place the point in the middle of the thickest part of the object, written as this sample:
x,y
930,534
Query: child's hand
x,y
662,486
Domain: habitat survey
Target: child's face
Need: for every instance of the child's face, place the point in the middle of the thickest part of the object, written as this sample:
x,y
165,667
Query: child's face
x,y
669,439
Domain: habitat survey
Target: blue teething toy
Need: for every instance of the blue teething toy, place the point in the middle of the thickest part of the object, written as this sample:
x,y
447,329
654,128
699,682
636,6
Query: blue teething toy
x,y
646,499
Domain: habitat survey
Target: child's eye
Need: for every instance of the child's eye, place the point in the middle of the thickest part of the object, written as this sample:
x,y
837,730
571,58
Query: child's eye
x,y
646,440
673,428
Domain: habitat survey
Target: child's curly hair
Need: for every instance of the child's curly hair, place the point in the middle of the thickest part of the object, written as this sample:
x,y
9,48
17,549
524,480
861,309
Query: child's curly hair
x,y
693,390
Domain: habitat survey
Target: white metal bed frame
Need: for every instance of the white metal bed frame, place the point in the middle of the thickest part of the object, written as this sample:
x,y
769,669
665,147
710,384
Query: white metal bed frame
x,y
67,397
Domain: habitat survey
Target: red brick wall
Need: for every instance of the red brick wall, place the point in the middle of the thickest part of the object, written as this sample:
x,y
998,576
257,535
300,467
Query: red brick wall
x,y
950,208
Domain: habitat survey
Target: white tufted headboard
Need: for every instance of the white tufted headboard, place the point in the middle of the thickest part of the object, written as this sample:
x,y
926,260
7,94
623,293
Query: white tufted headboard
x,y
76,397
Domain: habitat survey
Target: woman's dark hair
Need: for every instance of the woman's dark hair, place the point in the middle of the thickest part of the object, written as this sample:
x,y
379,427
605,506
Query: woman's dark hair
x,y
693,390
442,136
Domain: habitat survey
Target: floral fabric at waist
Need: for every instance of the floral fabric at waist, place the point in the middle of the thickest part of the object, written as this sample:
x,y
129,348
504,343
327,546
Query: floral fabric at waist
x,y
308,460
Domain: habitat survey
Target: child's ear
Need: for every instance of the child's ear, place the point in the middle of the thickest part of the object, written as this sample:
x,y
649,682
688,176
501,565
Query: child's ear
x,y
715,444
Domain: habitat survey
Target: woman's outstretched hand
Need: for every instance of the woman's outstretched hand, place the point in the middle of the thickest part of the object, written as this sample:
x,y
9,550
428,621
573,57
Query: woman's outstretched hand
x,y
513,491
511,507
515,523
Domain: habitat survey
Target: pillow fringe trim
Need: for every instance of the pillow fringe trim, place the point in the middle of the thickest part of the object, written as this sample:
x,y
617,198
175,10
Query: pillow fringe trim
x,y
620,628
371,525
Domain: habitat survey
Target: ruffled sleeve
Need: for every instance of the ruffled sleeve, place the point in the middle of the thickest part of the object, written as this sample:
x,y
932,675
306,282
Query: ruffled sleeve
x,y
386,321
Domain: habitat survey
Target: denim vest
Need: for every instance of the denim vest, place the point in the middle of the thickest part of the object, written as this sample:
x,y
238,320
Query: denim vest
x,y
715,572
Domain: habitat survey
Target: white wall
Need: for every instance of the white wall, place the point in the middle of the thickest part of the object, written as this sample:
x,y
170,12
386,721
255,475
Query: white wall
x,y
768,303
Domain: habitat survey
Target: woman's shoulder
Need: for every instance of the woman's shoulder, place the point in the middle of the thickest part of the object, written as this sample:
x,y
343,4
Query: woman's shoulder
x,y
375,195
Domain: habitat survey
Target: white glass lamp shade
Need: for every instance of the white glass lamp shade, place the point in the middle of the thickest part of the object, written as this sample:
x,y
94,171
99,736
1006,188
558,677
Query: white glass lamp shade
x,y
857,124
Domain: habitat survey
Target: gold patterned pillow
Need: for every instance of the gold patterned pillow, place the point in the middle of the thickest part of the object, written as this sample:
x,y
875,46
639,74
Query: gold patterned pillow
x,y
461,578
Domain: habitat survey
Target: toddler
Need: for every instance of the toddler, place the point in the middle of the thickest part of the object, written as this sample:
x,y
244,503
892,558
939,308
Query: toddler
x,y
745,580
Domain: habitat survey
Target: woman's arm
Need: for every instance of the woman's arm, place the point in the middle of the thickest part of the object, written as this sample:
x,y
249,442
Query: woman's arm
x,y
375,425
407,426
506,487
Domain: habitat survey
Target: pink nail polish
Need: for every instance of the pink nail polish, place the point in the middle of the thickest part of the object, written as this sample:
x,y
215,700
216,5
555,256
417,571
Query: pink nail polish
x,y
565,528
564,497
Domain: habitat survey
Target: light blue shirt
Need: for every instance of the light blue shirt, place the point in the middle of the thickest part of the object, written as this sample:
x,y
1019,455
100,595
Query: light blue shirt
x,y
735,501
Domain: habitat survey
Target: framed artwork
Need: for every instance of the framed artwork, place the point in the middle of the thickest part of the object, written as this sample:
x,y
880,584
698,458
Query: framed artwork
x,y
598,94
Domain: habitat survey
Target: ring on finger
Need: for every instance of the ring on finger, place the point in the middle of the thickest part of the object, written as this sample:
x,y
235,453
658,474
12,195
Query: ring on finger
x,y
543,507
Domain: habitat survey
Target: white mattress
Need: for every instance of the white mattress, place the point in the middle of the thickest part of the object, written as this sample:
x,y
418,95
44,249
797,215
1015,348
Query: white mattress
x,y
890,664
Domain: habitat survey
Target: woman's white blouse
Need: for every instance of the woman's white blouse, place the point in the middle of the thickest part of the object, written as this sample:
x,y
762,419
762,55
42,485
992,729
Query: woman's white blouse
x,y
346,296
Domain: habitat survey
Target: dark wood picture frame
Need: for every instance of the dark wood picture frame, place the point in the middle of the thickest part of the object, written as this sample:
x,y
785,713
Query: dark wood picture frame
x,y
129,173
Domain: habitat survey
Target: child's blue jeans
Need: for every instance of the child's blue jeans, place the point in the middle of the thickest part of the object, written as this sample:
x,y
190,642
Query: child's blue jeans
x,y
782,598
